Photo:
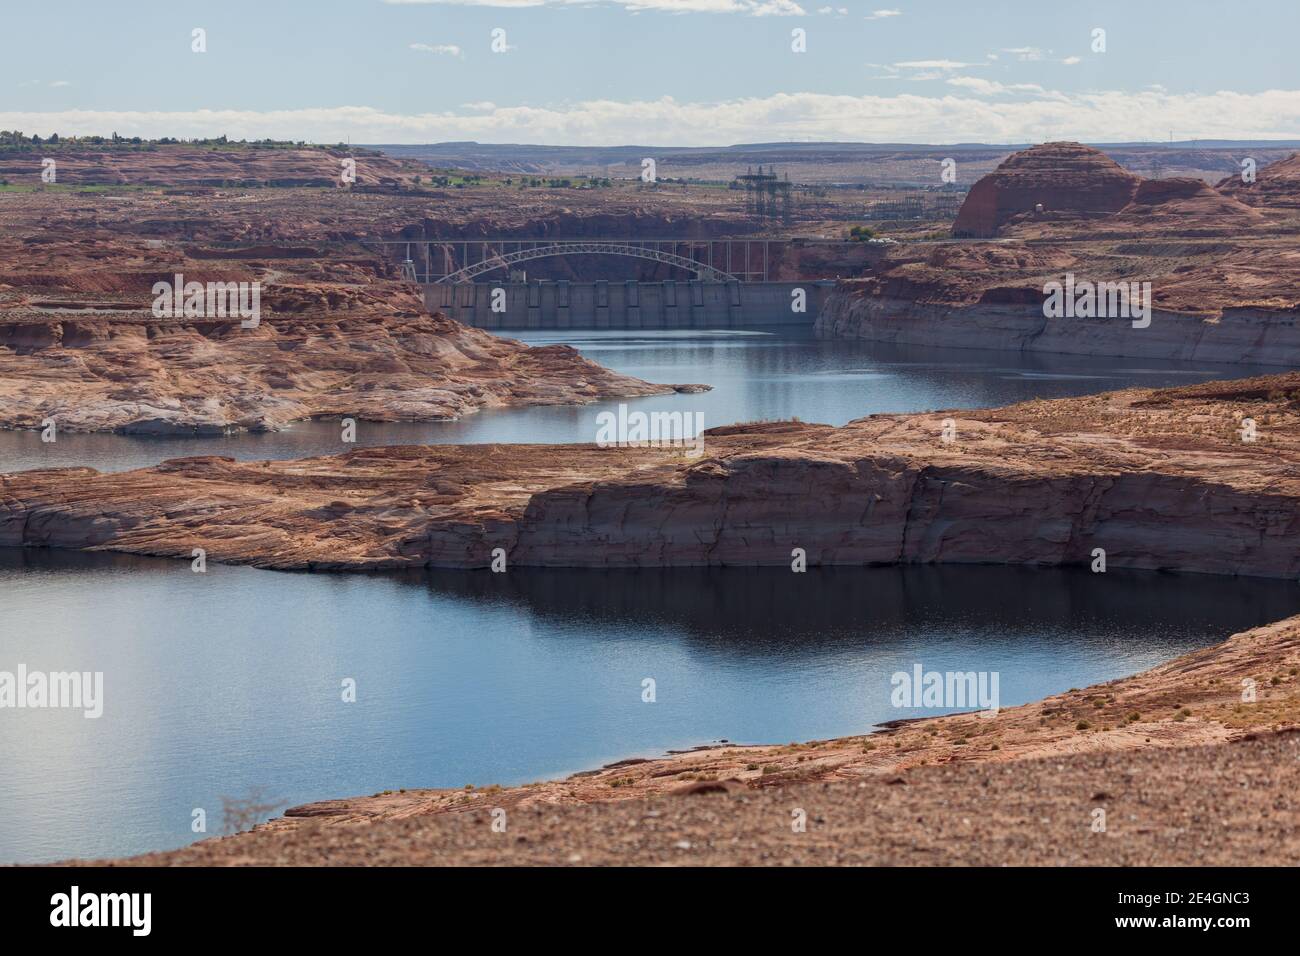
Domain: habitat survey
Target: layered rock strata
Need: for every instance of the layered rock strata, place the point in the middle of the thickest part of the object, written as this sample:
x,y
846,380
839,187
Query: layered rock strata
x,y
1217,270
1204,478
1051,179
370,356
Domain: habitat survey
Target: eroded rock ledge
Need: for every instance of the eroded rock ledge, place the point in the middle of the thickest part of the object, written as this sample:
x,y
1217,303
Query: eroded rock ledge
x,y
1155,478
189,377
1219,265
341,332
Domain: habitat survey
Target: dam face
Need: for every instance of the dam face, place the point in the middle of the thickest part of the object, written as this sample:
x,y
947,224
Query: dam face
x,y
670,304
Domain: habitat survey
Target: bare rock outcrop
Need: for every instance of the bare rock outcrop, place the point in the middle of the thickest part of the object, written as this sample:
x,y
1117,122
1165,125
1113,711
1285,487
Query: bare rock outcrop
x,y
376,361
1186,204
1219,276
1276,186
1157,479
1065,179
184,165
340,332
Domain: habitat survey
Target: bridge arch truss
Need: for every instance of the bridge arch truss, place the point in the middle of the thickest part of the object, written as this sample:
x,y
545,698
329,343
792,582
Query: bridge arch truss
x,y
641,249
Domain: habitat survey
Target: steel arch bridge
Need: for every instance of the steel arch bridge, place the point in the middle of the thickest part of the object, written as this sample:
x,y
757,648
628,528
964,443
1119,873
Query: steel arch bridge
x,y
595,247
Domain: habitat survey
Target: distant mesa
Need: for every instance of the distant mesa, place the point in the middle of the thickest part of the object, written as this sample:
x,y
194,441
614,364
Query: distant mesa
x,y
1152,192
1068,183
1276,186
183,165
1069,178
1193,201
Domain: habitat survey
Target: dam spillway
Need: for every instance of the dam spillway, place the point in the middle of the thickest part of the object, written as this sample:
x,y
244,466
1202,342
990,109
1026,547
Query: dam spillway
x,y
669,304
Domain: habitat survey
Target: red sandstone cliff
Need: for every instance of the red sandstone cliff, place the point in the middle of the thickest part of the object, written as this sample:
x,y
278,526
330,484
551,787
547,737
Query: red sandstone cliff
x,y
1157,478
1063,178
1276,186
340,334
1223,274
1185,206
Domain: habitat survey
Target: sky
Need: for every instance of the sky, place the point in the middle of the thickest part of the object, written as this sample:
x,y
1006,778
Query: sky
x,y
654,72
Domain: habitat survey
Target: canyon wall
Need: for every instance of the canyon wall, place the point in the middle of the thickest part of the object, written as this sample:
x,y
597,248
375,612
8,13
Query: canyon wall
x,y
1218,274
755,509
1254,336
1157,479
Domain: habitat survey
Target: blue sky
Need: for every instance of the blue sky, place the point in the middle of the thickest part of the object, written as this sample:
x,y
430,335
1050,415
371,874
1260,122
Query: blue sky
x,y
662,72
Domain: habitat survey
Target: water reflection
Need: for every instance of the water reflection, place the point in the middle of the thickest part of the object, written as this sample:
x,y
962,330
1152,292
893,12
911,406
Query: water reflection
x,y
220,682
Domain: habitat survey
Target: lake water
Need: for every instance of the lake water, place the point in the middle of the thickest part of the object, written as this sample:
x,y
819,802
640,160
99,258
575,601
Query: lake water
x,y
220,683
755,375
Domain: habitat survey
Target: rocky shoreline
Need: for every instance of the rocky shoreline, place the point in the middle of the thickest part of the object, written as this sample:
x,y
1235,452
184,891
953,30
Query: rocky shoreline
x,y
1245,336
136,376
340,332
1216,268
1154,478
1202,478
1021,787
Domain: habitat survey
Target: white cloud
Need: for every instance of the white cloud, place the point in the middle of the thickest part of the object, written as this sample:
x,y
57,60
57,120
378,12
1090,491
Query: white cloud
x,y
753,8
985,87
883,14
954,117
932,65
1072,60
440,49
1029,53
61,83
468,3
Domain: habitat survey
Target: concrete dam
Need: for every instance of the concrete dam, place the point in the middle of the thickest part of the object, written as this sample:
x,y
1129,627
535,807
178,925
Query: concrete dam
x,y
631,304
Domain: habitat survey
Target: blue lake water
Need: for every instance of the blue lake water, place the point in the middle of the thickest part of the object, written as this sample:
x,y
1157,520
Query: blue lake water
x,y
755,375
219,683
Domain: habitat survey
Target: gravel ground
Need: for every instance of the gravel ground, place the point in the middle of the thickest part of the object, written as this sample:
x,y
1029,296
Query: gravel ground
x,y
1226,804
